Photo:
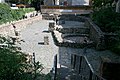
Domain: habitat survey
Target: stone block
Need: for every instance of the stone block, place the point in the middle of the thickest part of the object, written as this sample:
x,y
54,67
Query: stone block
x,y
46,40
51,26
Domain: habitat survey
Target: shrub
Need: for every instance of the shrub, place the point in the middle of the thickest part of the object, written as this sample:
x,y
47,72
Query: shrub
x,y
8,15
116,48
108,20
26,10
13,64
5,15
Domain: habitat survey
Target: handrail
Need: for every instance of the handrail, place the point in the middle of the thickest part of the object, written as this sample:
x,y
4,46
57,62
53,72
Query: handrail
x,y
92,68
88,72
89,64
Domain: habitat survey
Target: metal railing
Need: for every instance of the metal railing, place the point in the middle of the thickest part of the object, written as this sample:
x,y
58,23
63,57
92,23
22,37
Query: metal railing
x,y
81,66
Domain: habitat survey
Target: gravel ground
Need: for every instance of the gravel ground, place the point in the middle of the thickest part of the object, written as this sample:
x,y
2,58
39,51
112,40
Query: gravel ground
x,y
33,36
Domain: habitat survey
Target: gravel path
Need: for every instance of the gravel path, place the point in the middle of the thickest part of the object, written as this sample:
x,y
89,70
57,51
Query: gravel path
x,y
33,36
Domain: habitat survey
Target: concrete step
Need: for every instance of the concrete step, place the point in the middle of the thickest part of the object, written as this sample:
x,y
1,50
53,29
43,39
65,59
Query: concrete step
x,y
68,74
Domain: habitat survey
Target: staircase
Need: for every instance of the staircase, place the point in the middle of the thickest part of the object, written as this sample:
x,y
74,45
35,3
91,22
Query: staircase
x,y
67,74
80,69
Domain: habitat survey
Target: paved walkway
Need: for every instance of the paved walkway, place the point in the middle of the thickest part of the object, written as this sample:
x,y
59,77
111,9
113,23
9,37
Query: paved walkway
x,y
33,36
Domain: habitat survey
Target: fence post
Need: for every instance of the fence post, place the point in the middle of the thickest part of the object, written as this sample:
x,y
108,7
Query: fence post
x,y
46,40
74,61
90,76
71,61
80,64
34,66
55,62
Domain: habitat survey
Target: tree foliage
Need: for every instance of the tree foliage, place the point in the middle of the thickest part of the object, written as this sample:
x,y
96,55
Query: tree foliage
x,y
21,1
99,4
8,15
13,63
108,20
25,1
105,16
5,15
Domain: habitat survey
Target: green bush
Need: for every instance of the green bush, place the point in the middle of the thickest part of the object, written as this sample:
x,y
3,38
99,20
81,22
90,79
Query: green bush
x,y
116,48
12,62
101,4
104,15
14,65
5,15
26,10
108,20
8,15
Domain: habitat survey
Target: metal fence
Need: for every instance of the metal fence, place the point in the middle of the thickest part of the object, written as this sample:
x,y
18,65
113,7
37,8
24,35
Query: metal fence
x,y
55,68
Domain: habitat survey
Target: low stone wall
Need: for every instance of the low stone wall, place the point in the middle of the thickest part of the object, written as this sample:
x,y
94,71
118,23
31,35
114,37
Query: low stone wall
x,y
58,40
7,29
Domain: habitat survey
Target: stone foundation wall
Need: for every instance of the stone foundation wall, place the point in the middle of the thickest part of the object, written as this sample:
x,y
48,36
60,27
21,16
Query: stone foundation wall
x,y
7,29
48,17
61,43
71,17
90,28
74,30
95,34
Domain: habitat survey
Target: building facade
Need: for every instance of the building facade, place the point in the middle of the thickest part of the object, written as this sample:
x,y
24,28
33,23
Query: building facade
x,y
2,1
75,2
67,2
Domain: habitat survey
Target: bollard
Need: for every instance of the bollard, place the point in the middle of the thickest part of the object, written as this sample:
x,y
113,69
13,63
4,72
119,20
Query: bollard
x,y
46,40
51,26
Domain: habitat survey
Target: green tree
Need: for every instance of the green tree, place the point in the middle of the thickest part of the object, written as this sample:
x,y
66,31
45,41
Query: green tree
x,y
21,1
100,4
7,14
13,64
106,17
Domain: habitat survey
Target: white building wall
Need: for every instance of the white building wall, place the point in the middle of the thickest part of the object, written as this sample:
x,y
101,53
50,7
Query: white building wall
x,y
80,2
48,2
56,2
76,2
2,1
118,6
70,2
